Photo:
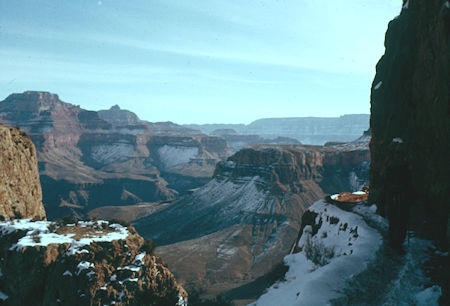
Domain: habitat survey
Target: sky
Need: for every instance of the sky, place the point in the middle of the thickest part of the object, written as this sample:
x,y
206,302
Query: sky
x,y
197,61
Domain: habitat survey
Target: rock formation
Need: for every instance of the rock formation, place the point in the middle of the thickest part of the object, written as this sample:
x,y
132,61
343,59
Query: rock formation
x,y
69,262
410,122
20,189
237,227
88,263
90,159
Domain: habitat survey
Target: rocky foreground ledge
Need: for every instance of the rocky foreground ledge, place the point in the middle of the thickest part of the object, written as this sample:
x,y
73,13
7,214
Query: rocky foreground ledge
x,y
81,263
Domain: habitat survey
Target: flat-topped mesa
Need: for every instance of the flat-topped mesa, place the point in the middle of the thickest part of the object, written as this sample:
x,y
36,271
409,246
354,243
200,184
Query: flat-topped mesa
x,y
40,113
285,168
20,188
39,98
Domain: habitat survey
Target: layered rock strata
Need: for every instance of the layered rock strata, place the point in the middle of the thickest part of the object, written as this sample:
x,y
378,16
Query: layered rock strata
x,y
91,159
239,226
20,189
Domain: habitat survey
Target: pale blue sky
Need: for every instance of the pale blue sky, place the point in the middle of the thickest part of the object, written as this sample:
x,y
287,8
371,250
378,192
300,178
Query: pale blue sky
x,y
197,61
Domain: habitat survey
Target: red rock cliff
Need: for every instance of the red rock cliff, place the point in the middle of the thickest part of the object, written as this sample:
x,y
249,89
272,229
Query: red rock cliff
x,y
20,189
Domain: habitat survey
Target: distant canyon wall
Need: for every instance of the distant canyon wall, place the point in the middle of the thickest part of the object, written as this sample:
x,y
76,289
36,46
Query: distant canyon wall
x,y
307,130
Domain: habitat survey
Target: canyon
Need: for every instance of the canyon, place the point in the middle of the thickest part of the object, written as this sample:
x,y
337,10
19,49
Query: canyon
x,y
86,161
67,261
240,225
306,130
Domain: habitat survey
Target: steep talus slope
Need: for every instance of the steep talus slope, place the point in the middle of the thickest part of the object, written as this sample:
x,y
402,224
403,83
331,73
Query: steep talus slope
x,y
91,159
410,122
241,224
20,189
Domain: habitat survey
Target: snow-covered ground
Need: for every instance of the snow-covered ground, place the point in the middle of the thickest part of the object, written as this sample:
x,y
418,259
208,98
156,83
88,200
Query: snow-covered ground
x,y
39,233
114,152
175,155
342,247
344,261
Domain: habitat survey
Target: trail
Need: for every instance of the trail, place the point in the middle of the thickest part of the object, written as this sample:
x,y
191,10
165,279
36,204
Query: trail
x,y
393,279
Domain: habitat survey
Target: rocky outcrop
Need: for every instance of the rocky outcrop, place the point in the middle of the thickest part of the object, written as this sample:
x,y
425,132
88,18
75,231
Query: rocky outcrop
x,y
237,227
87,263
20,189
90,159
307,130
119,117
410,122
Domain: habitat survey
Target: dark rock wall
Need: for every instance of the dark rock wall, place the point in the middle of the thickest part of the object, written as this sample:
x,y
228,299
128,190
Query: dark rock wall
x,y
410,122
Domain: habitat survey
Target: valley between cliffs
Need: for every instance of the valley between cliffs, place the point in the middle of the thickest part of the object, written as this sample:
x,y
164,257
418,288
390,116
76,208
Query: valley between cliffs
x,y
228,235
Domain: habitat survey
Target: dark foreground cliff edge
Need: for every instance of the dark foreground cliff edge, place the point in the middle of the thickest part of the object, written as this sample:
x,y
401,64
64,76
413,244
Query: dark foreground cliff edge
x,y
410,122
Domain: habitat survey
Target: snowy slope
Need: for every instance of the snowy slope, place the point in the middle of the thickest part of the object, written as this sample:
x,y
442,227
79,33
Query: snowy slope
x,y
344,261
341,248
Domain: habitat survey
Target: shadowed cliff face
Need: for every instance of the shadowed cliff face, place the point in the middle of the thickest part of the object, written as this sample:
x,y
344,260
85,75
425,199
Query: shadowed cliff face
x,y
410,122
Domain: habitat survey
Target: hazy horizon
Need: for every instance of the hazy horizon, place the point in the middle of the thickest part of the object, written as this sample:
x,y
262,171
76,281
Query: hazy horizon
x,y
209,62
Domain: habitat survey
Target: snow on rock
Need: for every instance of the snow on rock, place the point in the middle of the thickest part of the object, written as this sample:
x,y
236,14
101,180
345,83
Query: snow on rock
x,y
429,296
378,85
84,265
67,273
358,192
176,155
116,152
3,296
341,248
406,5
397,140
39,234
335,196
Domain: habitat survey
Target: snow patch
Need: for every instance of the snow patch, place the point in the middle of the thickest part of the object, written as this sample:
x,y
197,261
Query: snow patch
x,y
378,85
116,152
335,196
429,296
397,140
38,234
359,192
176,155
84,265
406,5
3,296
67,273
